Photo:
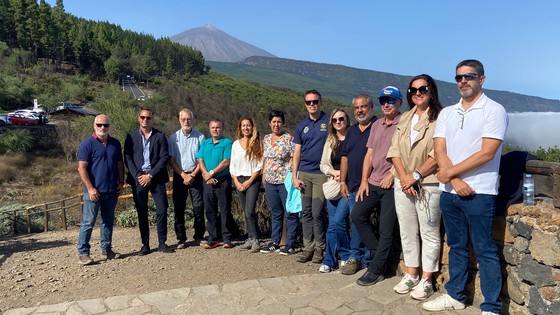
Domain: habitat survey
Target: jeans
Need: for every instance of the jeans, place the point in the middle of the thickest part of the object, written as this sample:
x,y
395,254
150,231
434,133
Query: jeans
x,y
338,236
276,195
471,218
248,201
379,238
107,203
159,194
180,195
358,250
217,202
313,211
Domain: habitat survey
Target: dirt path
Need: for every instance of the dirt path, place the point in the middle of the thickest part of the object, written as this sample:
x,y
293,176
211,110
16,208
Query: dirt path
x,y
43,268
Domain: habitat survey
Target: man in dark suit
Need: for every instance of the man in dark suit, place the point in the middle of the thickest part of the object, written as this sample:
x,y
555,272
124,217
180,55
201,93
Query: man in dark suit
x,y
146,154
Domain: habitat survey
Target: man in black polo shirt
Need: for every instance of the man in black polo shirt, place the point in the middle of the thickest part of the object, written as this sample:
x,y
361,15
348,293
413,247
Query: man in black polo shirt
x,y
353,151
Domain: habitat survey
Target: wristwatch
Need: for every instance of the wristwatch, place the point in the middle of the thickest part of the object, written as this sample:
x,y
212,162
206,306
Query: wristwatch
x,y
211,172
417,176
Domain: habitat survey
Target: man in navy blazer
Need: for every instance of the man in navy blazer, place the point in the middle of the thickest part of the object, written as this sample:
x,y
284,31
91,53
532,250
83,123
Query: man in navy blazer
x,y
146,154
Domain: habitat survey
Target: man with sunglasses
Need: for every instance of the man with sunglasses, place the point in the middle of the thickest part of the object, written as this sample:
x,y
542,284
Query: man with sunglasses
x,y
100,165
468,143
309,140
376,189
146,154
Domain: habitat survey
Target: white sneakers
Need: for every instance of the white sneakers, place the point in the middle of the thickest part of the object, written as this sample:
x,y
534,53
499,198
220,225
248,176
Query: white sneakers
x,y
442,303
406,284
325,269
423,290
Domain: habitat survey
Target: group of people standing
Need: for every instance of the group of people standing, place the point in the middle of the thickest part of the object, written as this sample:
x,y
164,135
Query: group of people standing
x,y
408,170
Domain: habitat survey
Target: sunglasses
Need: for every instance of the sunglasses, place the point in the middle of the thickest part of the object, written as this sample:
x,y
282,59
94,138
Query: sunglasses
x,y
103,125
423,90
338,120
467,76
314,102
146,117
387,100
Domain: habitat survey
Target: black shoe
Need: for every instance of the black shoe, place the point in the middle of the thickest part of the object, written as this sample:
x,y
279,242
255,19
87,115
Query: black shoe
x,y
145,250
163,248
369,278
110,254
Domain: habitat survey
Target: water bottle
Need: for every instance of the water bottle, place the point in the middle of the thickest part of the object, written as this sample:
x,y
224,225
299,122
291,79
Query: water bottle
x,y
529,190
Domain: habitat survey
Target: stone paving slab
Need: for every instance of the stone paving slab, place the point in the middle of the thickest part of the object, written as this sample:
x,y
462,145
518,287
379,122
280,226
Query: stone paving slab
x,y
332,294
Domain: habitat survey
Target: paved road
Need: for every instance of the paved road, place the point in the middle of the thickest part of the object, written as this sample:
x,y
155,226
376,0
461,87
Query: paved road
x,y
129,85
301,294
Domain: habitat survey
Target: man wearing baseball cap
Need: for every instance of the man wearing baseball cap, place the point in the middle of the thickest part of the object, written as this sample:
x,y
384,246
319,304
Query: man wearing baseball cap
x,y
376,189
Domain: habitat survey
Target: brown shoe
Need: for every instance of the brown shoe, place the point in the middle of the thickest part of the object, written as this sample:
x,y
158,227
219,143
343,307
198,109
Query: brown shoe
x,y
86,260
110,254
305,256
351,267
317,256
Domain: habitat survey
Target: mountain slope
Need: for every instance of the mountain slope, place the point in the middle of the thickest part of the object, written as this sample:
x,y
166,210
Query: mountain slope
x,y
343,83
217,45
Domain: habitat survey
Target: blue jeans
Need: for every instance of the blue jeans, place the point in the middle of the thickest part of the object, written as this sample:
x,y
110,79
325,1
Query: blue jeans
x,y
471,218
358,250
338,236
107,203
276,195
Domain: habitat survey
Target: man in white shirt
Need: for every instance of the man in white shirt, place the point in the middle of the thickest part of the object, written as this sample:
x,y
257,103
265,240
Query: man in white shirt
x,y
468,144
187,179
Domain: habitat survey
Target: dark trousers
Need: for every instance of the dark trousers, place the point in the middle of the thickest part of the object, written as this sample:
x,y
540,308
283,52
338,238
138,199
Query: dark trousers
x,y
217,203
377,238
140,195
180,195
248,201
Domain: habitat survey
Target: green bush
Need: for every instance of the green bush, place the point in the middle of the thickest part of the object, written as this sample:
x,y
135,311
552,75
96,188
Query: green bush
x,y
550,154
15,140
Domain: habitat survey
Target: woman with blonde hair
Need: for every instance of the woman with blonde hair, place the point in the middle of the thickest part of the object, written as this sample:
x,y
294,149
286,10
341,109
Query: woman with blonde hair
x,y
338,230
245,169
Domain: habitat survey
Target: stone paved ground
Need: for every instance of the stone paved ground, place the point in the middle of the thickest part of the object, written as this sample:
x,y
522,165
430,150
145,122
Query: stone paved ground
x,y
302,294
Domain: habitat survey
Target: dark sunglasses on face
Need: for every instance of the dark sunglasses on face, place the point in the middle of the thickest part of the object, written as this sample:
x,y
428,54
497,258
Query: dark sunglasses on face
x,y
423,90
314,102
387,100
467,76
146,117
103,125
338,120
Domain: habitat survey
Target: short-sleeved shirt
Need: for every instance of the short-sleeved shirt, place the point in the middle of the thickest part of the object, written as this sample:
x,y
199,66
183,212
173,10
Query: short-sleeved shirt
x,y
463,132
354,149
183,148
277,158
214,153
379,140
102,162
311,135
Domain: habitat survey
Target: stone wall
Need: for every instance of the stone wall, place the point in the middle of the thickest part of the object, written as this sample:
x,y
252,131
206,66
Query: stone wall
x,y
528,240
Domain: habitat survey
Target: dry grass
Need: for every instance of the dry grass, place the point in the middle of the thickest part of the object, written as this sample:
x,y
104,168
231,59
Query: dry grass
x,y
11,165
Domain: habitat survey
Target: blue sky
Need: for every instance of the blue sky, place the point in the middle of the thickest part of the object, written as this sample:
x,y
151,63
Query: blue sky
x,y
517,41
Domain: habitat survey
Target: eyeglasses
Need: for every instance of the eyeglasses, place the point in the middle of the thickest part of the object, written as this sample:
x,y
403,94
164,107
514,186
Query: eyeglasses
x,y
314,102
387,100
338,120
467,76
423,90
146,117
103,125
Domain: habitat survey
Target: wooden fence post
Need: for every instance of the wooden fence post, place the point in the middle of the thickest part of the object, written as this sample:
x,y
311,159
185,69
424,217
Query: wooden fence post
x,y
556,185
46,212
64,214
28,220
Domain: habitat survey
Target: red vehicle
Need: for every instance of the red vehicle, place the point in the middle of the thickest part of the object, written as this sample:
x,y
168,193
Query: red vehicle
x,y
20,120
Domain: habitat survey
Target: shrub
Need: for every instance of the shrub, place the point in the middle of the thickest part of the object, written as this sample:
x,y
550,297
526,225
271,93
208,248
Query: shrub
x,y
15,140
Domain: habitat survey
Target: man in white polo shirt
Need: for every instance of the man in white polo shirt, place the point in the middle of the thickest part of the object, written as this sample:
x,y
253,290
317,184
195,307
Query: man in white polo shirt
x,y
468,144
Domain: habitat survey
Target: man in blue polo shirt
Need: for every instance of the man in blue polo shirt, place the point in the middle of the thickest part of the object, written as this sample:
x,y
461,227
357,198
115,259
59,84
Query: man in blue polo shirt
x,y
213,160
309,140
354,150
100,165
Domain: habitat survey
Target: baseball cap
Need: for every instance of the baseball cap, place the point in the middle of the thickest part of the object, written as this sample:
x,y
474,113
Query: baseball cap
x,y
390,91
